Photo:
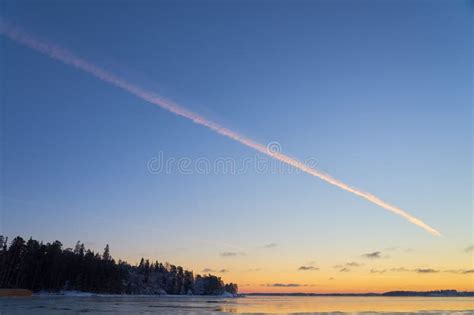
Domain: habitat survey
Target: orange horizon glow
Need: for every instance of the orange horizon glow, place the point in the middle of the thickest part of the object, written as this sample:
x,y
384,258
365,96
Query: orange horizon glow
x,y
360,280
369,286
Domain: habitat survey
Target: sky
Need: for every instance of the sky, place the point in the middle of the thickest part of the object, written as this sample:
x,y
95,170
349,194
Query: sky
x,y
375,93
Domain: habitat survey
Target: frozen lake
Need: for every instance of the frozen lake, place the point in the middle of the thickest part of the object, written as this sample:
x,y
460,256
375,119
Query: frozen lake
x,y
217,305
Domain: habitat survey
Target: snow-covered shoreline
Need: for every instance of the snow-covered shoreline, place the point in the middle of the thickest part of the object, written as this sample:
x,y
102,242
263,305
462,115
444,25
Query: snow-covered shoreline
x,y
72,293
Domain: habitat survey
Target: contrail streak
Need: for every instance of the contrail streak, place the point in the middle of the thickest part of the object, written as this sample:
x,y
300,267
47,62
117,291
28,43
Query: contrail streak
x,y
69,58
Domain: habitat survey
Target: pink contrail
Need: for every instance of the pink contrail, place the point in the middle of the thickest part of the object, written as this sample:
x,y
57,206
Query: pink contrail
x,y
69,58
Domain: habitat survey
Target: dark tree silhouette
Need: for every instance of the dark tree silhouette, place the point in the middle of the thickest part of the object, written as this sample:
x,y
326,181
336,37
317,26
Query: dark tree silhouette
x,y
37,266
106,255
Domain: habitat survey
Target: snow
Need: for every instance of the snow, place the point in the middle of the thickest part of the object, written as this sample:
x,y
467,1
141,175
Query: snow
x,y
65,293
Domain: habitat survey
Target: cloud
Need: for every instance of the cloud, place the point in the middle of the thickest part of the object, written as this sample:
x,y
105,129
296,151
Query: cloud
x,y
373,255
426,270
230,254
422,270
285,285
349,264
270,245
345,270
400,269
403,269
305,268
289,285
469,249
461,271
331,278
207,270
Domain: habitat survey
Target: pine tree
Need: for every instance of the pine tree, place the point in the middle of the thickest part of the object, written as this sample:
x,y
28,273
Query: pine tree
x,y
106,255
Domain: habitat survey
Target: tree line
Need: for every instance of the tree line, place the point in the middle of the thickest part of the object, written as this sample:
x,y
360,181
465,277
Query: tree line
x,y
38,267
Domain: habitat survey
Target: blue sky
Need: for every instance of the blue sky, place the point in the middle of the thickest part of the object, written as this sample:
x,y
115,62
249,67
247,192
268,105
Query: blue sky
x,y
379,93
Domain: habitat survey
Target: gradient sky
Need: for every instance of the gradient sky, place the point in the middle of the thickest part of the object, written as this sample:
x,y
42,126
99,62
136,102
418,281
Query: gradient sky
x,y
377,93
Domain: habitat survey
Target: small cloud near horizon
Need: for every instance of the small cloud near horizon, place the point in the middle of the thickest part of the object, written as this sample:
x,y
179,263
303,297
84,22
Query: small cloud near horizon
x,y
306,268
223,270
230,254
270,245
353,264
426,270
423,270
207,270
400,269
345,270
461,271
373,255
469,249
288,285
349,264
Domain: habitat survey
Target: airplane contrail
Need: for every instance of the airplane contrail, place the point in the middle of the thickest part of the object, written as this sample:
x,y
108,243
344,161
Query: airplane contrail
x,y
69,58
